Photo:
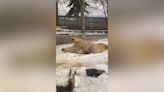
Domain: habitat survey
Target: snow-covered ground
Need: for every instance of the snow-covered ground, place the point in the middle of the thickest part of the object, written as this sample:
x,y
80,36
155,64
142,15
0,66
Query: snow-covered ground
x,y
84,83
91,84
79,63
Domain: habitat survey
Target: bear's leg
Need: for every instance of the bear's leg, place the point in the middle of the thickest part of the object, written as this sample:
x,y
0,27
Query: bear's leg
x,y
79,51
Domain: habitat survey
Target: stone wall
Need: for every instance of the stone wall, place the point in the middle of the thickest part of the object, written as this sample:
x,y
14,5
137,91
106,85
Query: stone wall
x,y
65,38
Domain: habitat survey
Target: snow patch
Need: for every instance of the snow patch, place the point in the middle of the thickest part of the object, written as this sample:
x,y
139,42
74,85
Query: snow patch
x,y
91,84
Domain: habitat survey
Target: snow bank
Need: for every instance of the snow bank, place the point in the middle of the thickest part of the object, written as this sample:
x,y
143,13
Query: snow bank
x,y
62,77
91,84
84,83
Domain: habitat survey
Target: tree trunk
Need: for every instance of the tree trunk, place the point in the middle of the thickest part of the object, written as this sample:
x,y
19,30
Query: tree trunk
x,y
105,10
82,19
57,12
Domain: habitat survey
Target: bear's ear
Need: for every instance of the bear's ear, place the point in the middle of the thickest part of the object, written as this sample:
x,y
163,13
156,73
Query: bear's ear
x,y
72,39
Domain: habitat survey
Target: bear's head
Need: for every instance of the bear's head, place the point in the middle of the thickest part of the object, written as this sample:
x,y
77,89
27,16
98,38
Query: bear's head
x,y
76,40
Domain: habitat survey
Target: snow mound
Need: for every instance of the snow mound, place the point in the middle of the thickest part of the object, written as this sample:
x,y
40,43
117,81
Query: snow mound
x,y
62,77
91,84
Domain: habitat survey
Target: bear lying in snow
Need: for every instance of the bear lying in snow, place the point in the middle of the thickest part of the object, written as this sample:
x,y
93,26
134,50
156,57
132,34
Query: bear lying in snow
x,y
81,46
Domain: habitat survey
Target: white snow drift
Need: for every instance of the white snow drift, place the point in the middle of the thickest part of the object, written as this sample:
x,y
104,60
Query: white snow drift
x,y
83,83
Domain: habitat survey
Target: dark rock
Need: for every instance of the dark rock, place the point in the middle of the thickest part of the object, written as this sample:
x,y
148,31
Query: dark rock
x,y
94,72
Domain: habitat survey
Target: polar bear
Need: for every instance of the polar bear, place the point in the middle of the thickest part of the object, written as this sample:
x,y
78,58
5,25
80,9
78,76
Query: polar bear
x,y
81,46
